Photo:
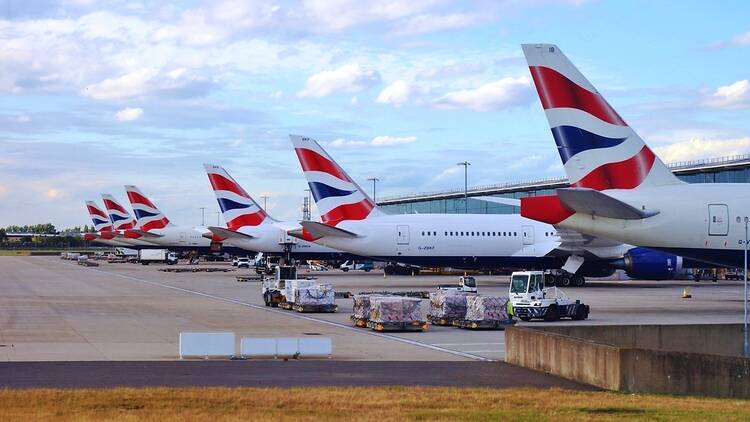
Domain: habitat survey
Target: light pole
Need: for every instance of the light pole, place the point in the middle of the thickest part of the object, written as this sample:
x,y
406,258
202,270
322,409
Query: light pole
x,y
374,181
217,218
744,343
265,202
203,216
466,165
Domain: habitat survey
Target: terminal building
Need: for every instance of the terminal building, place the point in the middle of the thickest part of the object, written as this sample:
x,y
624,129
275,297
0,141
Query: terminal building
x,y
733,169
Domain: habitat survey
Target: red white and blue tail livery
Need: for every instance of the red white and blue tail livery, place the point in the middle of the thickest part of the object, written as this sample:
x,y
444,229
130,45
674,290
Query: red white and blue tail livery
x,y
598,149
149,217
99,218
237,207
336,195
121,218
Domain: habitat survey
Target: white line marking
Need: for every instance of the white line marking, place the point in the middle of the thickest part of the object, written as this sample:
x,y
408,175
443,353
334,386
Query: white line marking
x,y
294,315
484,351
468,344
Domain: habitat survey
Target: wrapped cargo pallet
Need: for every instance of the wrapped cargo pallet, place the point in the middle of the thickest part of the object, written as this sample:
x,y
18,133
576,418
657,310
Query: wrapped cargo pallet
x,y
486,308
395,309
448,304
292,286
317,294
361,306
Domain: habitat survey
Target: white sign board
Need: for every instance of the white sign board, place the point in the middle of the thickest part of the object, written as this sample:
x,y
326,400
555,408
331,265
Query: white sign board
x,y
258,347
206,345
315,347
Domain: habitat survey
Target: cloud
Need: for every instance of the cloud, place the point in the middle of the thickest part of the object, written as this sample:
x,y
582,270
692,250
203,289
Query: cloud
x,y
738,40
505,92
700,148
127,85
128,114
450,171
396,94
336,15
383,141
430,23
734,96
347,78
378,141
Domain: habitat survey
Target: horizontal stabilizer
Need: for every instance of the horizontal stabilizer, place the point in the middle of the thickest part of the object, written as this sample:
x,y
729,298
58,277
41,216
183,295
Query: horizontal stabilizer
x,y
142,233
500,200
318,230
589,201
224,234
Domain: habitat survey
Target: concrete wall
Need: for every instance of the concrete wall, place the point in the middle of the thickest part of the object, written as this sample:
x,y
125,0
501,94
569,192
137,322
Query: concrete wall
x,y
637,358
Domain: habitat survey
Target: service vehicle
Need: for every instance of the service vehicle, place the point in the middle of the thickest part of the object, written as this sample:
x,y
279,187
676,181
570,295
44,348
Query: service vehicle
x,y
530,299
147,256
244,262
267,264
365,266
396,268
466,283
273,288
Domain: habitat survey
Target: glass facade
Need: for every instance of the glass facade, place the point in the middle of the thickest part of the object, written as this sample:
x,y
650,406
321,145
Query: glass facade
x,y
475,206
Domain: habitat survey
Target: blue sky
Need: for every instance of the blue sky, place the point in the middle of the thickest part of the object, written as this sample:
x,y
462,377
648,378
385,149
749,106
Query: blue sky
x,y
97,94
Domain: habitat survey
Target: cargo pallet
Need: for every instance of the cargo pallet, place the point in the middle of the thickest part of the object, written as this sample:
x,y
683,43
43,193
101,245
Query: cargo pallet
x,y
247,278
440,321
483,324
315,308
359,322
397,326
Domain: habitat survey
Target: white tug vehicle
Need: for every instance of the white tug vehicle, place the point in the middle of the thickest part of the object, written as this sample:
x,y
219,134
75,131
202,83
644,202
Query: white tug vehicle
x,y
530,299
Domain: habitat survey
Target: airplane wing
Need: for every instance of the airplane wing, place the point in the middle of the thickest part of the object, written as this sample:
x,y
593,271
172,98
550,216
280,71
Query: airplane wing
x,y
224,234
318,230
590,201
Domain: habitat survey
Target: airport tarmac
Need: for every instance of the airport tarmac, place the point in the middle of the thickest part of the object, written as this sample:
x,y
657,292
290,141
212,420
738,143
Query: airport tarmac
x,y
52,309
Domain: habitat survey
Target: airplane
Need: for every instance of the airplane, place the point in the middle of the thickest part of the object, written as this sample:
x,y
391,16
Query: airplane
x,y
154,227
251,228
104,230
620,189
352,222
121,221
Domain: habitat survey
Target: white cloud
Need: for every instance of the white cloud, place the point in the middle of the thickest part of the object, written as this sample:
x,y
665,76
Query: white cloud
x,y
128,114
378,141
128,85
382,141
430,23
734,96
335,15
347,78
446,173
502,93
396,94
354,100
738,40
700,148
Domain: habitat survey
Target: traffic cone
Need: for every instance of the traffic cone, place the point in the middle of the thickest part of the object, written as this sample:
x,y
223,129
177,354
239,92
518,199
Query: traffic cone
x,y
686,293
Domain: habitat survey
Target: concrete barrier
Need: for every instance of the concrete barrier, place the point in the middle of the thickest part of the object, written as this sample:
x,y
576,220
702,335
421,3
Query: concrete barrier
x,y
672,359
286,347
205,345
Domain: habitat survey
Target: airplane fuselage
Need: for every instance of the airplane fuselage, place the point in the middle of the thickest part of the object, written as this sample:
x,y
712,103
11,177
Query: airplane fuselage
x,y
705,222
461,241
271,238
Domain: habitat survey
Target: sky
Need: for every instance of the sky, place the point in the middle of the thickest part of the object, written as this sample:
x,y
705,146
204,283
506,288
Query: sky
x,y
95,95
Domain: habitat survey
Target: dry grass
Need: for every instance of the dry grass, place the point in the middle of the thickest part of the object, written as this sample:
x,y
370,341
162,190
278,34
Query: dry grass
x,y
377,404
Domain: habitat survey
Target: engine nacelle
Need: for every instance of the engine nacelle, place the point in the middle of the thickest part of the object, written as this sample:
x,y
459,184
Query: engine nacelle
x,y
647,264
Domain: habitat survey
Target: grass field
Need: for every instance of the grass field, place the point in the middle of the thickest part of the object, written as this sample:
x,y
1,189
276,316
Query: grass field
x,y
375,404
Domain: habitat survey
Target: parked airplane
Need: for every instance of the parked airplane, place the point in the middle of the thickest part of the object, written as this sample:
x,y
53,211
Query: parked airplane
x,y
620,189
249,226
105,233
153,226
351,221
121,221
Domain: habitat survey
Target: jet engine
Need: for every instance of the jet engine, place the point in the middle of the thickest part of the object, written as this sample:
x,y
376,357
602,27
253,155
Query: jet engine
x,y
647,264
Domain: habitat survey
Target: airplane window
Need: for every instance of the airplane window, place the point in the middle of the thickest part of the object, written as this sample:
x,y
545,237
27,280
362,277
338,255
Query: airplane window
x,y
434,233
472,233
462,233
422,233
515,233
504,234
482,233
446,234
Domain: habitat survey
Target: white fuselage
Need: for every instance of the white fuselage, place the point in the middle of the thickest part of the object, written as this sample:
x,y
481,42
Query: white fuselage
x,y
700,221
179,237
448,239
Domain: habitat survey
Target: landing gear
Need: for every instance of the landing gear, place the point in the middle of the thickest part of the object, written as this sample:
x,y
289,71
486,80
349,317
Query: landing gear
x,y
564,279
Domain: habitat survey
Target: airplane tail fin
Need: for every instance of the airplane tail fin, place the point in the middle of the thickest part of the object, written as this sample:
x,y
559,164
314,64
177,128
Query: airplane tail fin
x,y
237,206
149,217
99,217
121,218
337,196
598,149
